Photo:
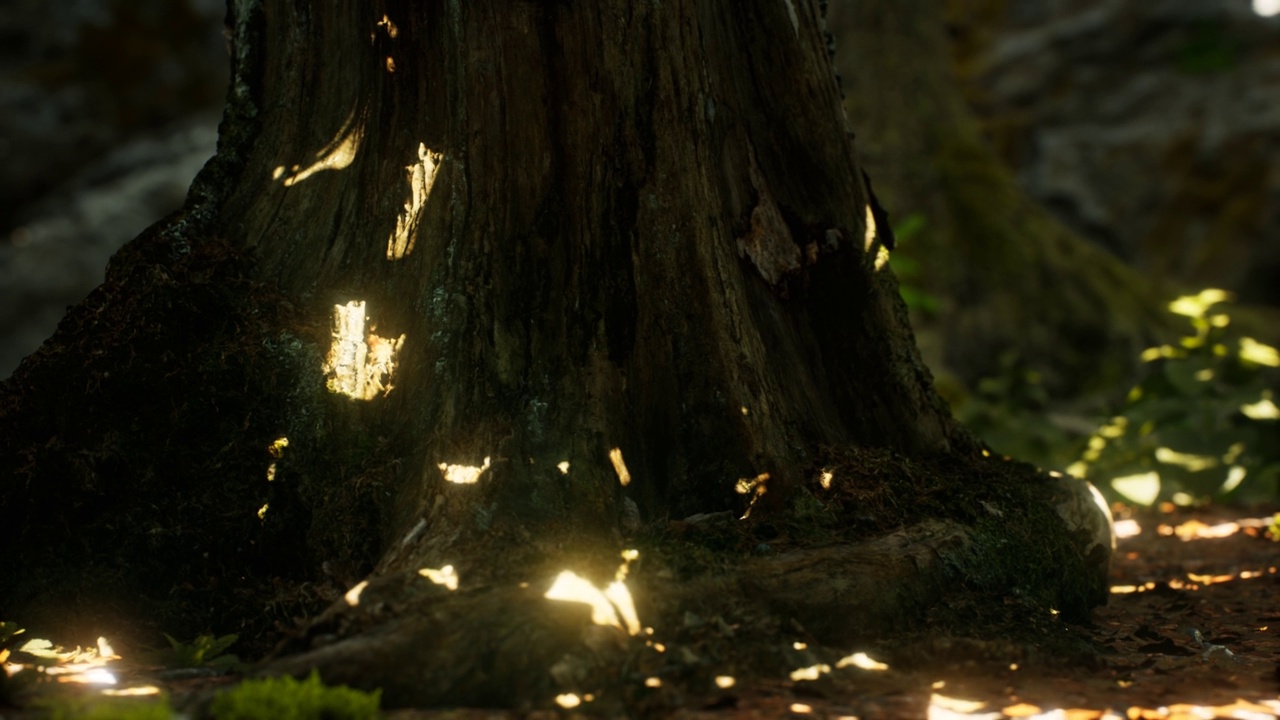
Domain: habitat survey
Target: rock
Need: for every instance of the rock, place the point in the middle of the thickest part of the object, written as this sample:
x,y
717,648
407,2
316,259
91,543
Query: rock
x,y
1150,127
57,256
107,109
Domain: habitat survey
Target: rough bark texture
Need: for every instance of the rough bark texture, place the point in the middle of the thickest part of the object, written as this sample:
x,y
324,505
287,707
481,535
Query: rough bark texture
x,y
617,270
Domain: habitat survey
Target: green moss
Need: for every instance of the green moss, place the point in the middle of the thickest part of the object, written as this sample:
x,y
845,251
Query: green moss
x,y
286,698
102,708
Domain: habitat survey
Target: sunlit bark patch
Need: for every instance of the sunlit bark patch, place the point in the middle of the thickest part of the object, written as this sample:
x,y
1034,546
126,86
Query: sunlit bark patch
x,y
619,466
813,672
337,155
463,474
422,175
276,450
359,366
353,595
756,487
444,576
568,701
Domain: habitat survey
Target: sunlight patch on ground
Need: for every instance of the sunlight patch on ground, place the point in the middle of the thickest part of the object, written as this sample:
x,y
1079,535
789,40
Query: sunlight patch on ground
x,y
620,466
337,155
861,660
463,474
568,701
942,707
422,176
813,672
724,682
79,666
563,467
1266,8
1128,528
1196,530
359,366
612,606
444,576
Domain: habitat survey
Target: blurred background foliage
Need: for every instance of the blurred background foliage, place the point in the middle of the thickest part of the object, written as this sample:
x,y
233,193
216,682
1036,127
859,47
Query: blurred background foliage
x,y
1064,177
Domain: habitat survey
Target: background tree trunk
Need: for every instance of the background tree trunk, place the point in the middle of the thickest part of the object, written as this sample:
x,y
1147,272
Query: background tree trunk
x,y
1007,276
505,288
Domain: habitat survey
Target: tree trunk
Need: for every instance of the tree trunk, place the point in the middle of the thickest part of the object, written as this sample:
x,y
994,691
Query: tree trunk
x,y
507,289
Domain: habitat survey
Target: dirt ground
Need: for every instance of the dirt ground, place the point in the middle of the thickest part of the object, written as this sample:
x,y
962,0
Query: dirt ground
x,y
1192,630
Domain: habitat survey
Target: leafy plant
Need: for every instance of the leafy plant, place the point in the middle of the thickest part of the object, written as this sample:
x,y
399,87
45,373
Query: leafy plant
x,y
1202,421
204,651
1010,411
286,698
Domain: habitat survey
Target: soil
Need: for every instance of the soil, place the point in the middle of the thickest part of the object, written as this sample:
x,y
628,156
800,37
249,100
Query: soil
x,y
1211,571
1192,630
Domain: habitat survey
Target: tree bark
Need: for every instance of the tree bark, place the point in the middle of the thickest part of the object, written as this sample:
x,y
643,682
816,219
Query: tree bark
x,y
505,288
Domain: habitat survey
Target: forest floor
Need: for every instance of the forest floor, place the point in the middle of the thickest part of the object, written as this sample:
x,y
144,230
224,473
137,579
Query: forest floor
x,y
1192,630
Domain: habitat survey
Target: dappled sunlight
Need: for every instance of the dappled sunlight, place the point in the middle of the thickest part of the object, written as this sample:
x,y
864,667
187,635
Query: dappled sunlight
x,y
353,595
444,576
612,606
359,365
942,707
724,682
813,672
337,155
1193,581
861,660
756,487
1127,528
568,701
1196,530
1266,8
620,466
569,587
276,451
463,474
858,660
90,666
869,239
422,176
1264,409
140,691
